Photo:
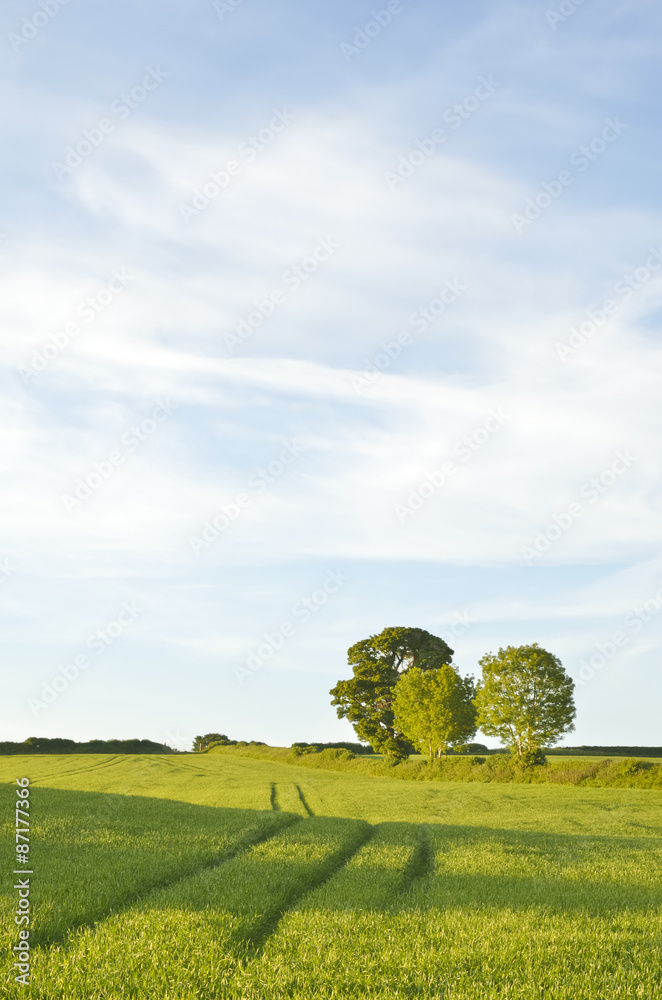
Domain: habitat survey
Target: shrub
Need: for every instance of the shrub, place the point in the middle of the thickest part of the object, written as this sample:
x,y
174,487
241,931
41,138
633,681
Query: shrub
x,y
629,766
531,758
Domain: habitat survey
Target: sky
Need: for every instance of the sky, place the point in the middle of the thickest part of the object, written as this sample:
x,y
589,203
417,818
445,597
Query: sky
x,y
318,319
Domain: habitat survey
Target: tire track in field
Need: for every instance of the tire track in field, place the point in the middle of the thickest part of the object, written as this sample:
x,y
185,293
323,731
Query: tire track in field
x,y
78,770
419,866
303,801
421,863
51,781
178,764
66,939
197,763
255,942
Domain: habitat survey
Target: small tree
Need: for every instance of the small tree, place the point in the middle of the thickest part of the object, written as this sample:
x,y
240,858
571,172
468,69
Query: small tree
x,y
202,742
525,699
365,699
434,708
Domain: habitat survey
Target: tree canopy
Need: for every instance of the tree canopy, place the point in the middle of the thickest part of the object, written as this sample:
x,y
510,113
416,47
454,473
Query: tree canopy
x,y
434,709
525,699
365,699
203,742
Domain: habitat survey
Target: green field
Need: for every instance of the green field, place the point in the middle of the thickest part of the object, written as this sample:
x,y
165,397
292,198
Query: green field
x,y
221,876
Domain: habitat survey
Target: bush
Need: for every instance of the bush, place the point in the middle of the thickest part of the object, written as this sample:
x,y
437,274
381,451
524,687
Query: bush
x,y
334,754
531,758
630,766
357,748
495,767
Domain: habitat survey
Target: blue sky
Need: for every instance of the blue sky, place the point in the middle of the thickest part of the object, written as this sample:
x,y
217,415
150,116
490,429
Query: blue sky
x,y
319,319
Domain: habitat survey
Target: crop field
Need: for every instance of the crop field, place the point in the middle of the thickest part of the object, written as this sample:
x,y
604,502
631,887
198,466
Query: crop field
x,y
205,876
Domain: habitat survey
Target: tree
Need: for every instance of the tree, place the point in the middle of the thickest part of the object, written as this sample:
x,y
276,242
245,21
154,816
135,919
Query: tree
x,y
525,699
202,742
434,708
365,699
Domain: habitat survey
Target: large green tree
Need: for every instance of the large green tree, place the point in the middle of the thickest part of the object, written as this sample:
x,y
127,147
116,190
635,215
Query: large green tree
x,y
434,709
525,698
366,698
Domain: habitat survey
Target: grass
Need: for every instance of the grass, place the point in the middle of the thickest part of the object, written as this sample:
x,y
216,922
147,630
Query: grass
x,y
243,783
96,852
499,915
93,854
206,876
209,923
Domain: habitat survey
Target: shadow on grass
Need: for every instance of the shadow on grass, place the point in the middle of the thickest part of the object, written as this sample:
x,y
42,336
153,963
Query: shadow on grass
x,y
95,854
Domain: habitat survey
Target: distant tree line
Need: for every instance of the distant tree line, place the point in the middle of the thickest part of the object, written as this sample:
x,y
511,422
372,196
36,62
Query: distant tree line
x,y
41,744
595,751
209,740
406,694
358,748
